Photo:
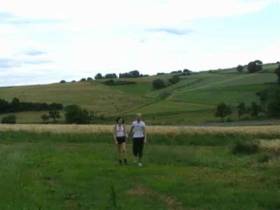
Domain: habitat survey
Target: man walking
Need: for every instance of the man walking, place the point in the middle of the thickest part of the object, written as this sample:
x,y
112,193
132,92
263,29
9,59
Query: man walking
x,y
138,133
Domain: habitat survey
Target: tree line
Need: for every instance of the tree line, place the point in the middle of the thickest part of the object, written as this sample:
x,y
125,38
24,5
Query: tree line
x,y
131,74
72,113
18,106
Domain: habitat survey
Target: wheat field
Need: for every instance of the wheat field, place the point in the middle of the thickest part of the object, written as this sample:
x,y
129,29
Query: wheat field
x,y
242,130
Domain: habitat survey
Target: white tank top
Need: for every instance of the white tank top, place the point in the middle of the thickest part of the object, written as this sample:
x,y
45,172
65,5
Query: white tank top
x,y
138,129
120,131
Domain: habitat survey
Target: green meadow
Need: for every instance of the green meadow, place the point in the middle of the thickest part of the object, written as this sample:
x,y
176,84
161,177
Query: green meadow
x,y
192,171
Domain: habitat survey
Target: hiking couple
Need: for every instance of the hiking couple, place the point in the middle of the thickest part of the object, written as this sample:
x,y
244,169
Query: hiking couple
x,y
139,138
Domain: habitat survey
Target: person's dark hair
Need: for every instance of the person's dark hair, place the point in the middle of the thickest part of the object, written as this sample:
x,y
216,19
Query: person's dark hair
x,y
118,118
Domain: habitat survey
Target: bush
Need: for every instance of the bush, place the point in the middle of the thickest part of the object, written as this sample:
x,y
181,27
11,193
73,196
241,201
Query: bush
x,y
177,72
45,118
187,72
158,84
255,109
270,100
254,66
160,73
273,107
241,109
240,68
112,82
54,115
9,119
223,110
175,79
110,76
277,72
98,76
131,74
75,114
245,147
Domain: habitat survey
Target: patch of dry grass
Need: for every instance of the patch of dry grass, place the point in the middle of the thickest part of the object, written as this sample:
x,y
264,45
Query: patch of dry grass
x,y
271,145
170,202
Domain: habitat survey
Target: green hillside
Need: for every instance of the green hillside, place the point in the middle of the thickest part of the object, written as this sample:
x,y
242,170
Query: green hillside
x,y
190,101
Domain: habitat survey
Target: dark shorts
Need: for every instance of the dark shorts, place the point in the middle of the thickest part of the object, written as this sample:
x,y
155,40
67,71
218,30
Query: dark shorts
x,y
121,140
138,145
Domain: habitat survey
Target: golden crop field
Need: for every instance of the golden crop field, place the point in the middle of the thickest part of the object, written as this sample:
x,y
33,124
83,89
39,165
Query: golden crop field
x,y
250,130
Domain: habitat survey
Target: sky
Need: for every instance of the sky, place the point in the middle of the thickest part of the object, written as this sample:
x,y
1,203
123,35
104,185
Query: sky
x,y
45,41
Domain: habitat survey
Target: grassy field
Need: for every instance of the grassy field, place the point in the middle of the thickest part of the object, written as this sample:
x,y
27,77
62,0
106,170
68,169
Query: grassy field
x,y
191,101
54,169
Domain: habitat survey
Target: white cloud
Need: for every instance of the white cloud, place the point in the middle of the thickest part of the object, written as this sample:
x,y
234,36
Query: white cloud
x,y
83,37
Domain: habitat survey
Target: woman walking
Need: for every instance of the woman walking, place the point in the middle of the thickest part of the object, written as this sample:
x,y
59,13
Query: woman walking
x,y
138,133
120,136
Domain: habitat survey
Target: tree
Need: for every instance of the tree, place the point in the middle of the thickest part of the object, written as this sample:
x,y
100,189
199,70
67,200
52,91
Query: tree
x,y
241,109
273,105
89,79
255,109
277,72
254,66
75,114
175,79
131,74
223,110
240,68
9,119
264,96
160,73
4,106
111,76
158,84
98,76
54,115
83,80
62,81
177,72
270,101
135,73
45,118
15,105
187,72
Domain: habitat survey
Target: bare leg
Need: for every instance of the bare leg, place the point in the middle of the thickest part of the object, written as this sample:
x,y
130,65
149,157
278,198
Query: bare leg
x,y
124,152
119,146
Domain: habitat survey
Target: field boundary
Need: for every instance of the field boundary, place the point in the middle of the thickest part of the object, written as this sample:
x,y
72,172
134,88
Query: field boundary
x,y
267,130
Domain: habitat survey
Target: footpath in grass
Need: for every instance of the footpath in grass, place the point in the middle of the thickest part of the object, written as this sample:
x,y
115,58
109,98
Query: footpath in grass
x,y
80,171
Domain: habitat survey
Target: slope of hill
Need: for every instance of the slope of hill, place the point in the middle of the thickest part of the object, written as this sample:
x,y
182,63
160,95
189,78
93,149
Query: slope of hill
x,y
191,101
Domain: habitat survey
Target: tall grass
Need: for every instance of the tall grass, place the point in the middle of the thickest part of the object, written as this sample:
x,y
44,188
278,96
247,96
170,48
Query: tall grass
x,y
257,131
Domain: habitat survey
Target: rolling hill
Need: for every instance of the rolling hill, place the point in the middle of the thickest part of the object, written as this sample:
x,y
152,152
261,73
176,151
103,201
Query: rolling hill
x,y
190,101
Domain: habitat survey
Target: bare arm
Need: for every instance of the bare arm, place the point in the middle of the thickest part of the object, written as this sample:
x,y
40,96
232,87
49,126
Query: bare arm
x,y
114,135
131,131
126,135
145,134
